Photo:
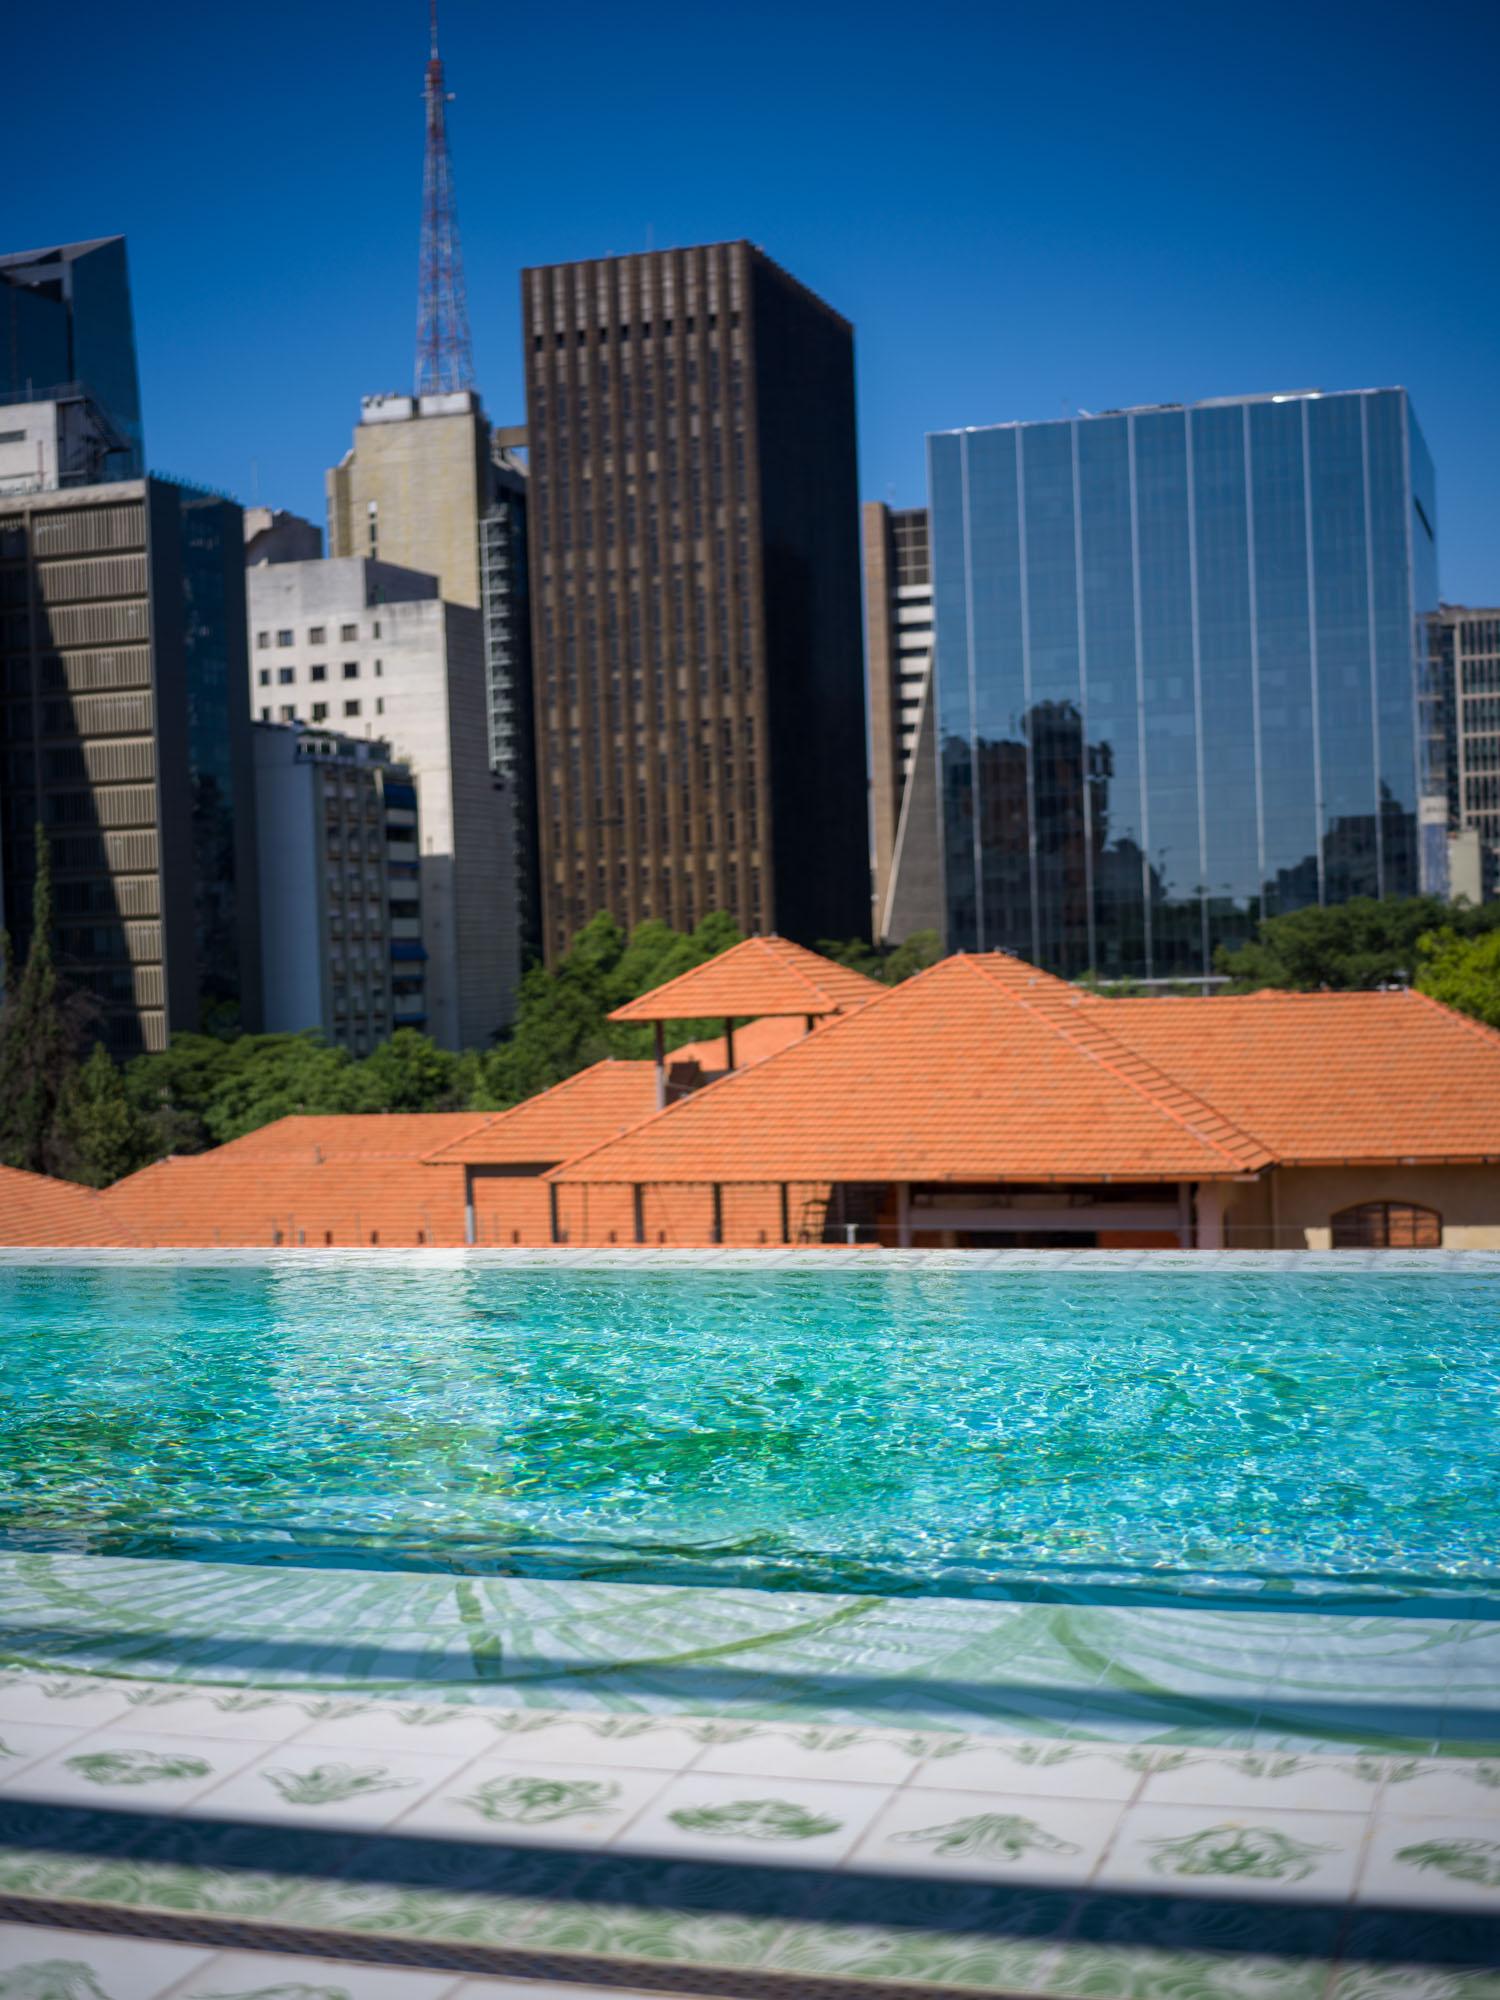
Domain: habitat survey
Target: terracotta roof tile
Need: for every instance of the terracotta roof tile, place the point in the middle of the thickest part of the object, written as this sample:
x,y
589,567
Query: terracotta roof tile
x,y
1330,1076
979,1069
37,1211
228,1197
390,1135
763,975
573,1115
753,1042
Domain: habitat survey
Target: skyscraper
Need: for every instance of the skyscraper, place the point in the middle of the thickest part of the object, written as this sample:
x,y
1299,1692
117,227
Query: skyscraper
x,y
903,773
124,731
1465,708
1178,654
66,326
695,595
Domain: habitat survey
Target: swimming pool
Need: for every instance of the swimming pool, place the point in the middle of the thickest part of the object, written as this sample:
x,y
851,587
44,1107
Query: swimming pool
x,y
1037,1431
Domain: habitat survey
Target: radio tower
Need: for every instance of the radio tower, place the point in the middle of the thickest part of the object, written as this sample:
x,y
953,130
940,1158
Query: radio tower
x,y
444,358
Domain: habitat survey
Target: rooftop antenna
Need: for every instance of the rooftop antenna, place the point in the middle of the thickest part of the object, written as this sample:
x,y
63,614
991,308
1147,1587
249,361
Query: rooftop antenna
x,y
445,359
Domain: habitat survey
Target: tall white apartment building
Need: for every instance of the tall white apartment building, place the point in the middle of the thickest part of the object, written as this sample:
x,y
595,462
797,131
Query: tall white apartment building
x,y
370,649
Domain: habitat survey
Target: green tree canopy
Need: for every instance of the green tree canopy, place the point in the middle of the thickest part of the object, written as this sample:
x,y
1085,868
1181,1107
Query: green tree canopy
x,y
889,963
41,1034
1462,972
100,1135
1351,947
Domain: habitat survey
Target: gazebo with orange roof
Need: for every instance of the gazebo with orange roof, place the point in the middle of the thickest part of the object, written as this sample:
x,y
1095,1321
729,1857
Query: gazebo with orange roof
x,y
762,977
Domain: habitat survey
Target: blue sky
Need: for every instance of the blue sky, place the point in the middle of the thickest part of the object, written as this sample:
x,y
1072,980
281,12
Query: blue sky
x,y
1024,211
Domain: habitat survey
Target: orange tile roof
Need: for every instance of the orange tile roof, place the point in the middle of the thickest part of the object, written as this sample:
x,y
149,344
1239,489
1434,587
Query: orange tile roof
x,y
354,1135
235,1198
982,1068
752,1043
1325,1077
763,975
37,1211
573,1115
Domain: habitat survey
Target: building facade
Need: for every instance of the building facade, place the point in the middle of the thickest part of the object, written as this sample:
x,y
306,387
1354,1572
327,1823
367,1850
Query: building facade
x,y
340,886
124,733
1465,647
66,324
273,535
429,484
371,650
695,595
1178,661
906,857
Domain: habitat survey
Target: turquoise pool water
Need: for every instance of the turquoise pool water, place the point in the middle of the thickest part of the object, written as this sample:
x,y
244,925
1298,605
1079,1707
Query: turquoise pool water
x,y
920,1430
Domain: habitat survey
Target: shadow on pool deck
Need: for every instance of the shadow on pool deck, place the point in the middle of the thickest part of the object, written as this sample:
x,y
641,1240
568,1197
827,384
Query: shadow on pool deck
x,y
121,1842
1273,1709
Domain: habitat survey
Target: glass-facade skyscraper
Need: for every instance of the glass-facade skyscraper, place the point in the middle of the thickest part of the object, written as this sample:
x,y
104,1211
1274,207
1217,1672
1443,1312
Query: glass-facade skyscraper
x,y
1179,655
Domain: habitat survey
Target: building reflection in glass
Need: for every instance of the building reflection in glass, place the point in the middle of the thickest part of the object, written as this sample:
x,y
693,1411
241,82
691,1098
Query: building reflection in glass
x,y
1178,654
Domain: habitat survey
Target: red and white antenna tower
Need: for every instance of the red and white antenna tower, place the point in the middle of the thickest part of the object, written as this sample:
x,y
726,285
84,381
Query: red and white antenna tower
x,y
445,359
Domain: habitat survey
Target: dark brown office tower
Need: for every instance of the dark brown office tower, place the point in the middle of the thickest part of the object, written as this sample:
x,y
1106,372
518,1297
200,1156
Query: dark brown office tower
x,y
695,596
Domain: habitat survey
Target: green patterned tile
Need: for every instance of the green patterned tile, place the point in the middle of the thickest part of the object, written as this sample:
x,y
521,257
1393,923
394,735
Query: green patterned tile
x,y
1101,1972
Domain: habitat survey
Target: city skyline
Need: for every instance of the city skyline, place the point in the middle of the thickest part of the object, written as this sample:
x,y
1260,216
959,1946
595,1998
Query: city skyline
x,y
1094,244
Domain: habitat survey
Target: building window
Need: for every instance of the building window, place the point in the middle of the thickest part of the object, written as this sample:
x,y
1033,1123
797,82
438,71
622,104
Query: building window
x,y
1387,1225
317,635
262,640
380,704
284,638
351,708
265,715
289,714
348,631
286,675
317,673
351,670
375,629
264,677
379,670
320,711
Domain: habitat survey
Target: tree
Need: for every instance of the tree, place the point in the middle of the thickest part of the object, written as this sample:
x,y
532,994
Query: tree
x,y
267,1077
1462,972
1355,946
100,1135
407,1073
39,1038
889,963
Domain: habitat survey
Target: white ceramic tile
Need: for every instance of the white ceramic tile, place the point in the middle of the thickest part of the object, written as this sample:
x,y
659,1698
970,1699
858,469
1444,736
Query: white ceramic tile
x,y
248,1718
997,1836
1198,1850
641,1743
122,1770
36,1962
75,1704
789,1821
263,1975
1437,1862
22,1743
328,1785
1462,1787
1054,1769
1255,1780
535,1804
440,1730
820,1751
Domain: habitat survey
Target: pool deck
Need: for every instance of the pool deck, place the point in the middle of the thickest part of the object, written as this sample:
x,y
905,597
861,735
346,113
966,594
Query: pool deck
x,y
227,1780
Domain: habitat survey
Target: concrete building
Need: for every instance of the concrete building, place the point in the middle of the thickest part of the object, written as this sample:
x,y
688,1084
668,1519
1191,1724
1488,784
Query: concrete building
x,y
695,595
124,731
273,535
1177,666
906,852
340,886
429,484
370,649
1465,654
66,329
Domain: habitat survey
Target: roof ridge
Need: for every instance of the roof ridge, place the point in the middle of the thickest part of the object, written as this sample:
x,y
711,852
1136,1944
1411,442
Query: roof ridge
x,y
1094,1028
489,1119
830,1025
1466,1023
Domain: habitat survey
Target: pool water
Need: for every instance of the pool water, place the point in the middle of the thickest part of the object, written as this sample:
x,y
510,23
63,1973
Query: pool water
x,y
1000,1433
